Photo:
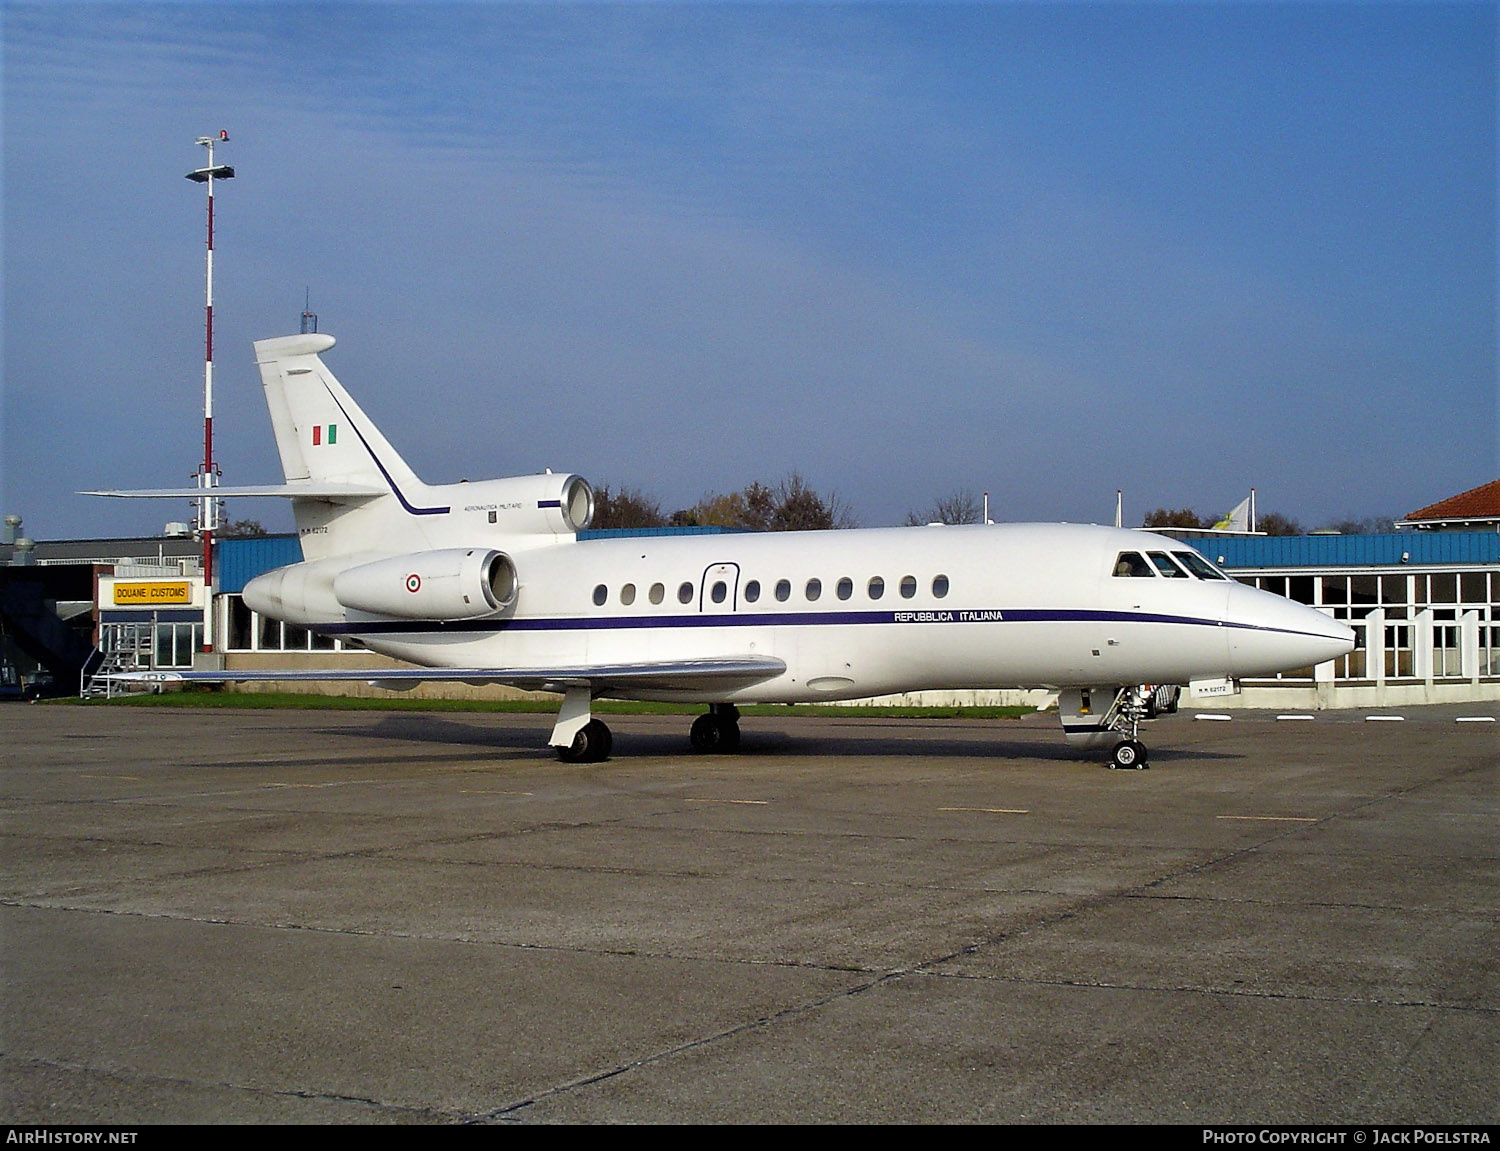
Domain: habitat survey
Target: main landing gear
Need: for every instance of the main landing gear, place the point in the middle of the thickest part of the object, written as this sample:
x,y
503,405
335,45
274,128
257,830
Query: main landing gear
x,y
590,745
579,738
718,731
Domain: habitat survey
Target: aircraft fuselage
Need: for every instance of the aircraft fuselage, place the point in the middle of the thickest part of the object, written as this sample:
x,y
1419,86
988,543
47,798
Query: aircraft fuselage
x,y
859,613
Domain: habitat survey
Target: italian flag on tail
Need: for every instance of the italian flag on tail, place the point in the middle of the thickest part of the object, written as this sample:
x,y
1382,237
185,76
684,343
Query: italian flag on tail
x,y
325,434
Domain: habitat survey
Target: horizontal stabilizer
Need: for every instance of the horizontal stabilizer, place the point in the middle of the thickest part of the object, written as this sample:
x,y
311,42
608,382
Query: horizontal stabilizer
x,y
338,493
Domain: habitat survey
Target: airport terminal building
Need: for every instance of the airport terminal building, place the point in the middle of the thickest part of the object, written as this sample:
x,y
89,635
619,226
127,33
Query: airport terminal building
x,y
1424,602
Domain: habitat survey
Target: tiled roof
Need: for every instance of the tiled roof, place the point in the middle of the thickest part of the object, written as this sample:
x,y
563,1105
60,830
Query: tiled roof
x,y
1481,503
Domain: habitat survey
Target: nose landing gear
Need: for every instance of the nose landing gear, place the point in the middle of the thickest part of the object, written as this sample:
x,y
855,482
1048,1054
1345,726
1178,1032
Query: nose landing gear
x,y
1132,705
1129,755
1117,730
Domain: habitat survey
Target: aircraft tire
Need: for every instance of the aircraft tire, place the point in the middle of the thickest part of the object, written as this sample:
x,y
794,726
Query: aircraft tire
x,y
714,733
591,745
729,735
1129,755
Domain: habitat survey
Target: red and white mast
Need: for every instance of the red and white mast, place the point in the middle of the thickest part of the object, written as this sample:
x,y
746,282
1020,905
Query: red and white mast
x,y
208,473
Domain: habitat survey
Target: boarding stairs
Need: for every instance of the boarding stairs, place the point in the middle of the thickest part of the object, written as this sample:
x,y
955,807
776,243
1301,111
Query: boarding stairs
x,y
124,647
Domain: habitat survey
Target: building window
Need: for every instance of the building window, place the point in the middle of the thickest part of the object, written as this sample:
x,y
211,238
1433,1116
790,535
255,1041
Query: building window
x,y
240,624
269,637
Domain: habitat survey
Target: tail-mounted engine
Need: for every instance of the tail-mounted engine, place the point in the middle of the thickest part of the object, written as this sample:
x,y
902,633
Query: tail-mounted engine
x,y
449,584
546,504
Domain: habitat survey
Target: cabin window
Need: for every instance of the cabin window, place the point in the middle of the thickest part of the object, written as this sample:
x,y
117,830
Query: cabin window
x,y
814,589
657,593
752,591
719,592
1131,564
1199,566
908,586
627,594
845,588
1165,565
601,593
876,587
783,590
685,593
940,586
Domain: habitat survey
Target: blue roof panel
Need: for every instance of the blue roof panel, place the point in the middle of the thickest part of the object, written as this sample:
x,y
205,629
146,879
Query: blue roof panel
x,y
1386,550
242,558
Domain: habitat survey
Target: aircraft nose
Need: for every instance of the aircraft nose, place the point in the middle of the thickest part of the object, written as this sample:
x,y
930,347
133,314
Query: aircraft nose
x,y
1270,634
1326,638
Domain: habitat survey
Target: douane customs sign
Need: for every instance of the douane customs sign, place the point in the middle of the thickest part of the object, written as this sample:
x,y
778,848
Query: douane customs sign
x,y
153,593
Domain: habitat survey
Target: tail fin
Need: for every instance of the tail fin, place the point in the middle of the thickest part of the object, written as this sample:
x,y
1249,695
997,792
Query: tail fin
x,y
351,493
326,439
321,433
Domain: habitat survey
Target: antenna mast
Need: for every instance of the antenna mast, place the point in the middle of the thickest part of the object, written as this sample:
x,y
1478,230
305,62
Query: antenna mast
x,y
208,474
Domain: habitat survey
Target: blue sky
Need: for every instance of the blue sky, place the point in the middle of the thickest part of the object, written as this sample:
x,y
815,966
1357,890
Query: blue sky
x,y
1044,250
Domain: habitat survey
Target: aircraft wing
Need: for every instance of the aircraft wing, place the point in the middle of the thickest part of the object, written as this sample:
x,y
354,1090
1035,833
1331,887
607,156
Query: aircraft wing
x,y
688,674
309,491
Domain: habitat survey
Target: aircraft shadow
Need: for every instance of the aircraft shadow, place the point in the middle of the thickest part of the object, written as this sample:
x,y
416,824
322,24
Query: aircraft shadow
x,y
529,740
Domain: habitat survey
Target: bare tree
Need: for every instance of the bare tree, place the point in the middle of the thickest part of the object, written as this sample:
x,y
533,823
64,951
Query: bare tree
x,y
793,505
962,507
1276,524
1372,525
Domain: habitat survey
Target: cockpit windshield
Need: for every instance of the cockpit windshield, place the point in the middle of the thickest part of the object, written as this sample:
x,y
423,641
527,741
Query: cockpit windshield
x,y
1131,564
1165,565
1199,566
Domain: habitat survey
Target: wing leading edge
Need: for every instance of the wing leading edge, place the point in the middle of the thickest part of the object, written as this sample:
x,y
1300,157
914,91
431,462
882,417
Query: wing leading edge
x,y
303,491
688,674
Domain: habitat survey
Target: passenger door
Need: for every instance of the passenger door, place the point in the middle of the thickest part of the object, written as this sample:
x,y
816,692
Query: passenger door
x,y
719,589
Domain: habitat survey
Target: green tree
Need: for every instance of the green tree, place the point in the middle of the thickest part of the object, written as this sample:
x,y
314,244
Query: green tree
x,y
241,528
1175,518
800,509
625,508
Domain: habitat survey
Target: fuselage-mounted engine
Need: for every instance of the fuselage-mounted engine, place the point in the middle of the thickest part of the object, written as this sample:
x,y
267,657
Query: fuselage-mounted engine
x,y
448,584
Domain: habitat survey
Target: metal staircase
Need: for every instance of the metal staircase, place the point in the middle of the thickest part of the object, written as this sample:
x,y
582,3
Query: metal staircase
x,y
123,647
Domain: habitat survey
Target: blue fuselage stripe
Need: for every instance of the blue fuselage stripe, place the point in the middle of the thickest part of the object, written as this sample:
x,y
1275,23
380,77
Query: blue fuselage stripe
x,y
395,490
776,619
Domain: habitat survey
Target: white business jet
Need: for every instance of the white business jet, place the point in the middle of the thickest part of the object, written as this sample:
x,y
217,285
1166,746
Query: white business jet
x,y
488,583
